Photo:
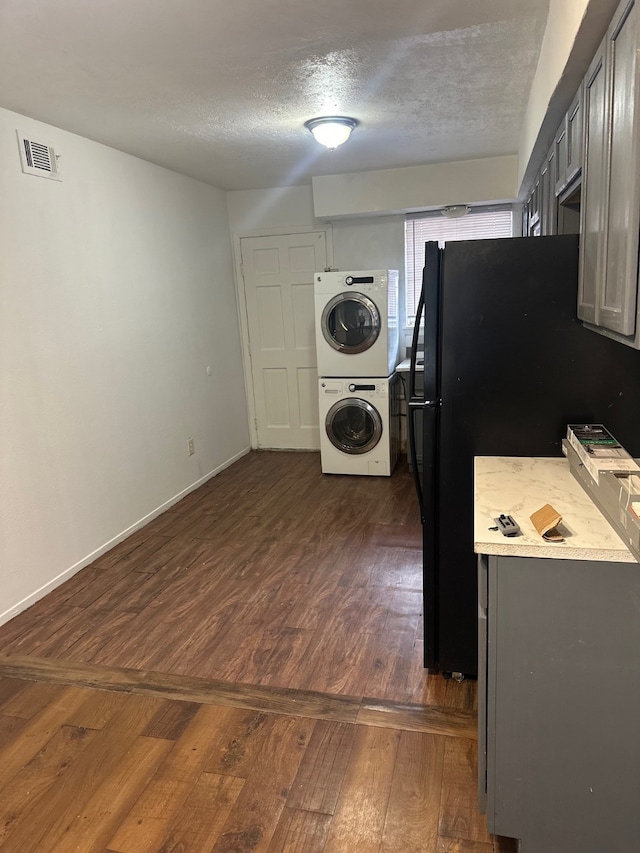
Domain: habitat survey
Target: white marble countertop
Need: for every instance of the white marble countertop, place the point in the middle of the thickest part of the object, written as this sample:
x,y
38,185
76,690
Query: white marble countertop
x,y
518,486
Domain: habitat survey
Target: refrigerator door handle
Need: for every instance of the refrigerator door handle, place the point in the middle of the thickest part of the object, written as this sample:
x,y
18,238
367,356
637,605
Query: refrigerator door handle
x,y
414,403
418,403
414,342
412,408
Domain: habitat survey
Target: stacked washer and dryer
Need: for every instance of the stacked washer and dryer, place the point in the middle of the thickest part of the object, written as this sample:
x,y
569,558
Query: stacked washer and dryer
x,y
357,342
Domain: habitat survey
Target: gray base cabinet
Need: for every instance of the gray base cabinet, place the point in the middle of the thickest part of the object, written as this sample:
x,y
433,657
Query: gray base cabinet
x,y
559,691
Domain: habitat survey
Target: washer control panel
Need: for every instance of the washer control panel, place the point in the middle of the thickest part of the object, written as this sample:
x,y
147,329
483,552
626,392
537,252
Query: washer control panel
x,y
354,387
366,281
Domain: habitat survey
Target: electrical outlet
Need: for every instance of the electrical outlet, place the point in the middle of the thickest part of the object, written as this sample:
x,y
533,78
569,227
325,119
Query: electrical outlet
x,y
190,447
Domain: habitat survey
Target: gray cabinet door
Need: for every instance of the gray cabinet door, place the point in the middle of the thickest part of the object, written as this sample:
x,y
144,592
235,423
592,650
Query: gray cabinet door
x,y
610,212
549,213
617,308
560,151
525,219
534,209
574,123
593,210
483,567
563,695
567,145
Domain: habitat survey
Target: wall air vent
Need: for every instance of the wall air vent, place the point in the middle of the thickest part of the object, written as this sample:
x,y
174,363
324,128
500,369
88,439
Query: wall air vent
x,y
37,158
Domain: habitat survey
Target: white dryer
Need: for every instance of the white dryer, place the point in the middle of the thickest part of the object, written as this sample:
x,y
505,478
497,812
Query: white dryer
x,y
357,323
359,425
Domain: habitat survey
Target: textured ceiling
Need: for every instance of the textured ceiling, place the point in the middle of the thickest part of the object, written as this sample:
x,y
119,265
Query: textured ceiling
x,y
220,90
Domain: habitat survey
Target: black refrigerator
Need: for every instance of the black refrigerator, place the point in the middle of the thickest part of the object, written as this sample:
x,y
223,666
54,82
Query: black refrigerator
x,y
507,365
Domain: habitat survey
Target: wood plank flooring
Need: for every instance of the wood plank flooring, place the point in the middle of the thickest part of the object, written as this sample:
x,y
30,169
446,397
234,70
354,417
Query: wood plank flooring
x,y
83,769
242,674
271,573
302,703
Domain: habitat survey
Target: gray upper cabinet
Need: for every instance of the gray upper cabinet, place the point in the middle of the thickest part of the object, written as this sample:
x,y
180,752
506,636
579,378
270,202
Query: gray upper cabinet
x,y
549,209
619,295
592,210
568,145
534,209
610,209
551,205
560,152
557,182
541,206
574,123
525,219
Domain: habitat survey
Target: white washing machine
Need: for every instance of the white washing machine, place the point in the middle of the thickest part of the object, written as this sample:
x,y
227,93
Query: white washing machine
x,y
359,425
357,323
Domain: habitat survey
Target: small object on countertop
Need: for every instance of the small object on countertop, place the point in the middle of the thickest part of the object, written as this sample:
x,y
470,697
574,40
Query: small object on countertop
x,y
506,525
546,520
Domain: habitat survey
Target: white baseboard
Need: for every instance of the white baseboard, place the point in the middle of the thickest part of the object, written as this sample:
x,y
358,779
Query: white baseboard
x,y
37,594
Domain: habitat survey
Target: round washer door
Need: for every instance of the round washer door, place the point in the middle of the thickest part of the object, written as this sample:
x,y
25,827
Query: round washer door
x,y
353,426
350,323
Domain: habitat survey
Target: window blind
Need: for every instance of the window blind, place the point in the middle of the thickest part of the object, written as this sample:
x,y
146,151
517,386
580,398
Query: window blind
x,y
481,223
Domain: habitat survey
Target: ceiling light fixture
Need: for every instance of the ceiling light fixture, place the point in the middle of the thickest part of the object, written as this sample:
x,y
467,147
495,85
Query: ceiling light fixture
x,y
331,130
455,211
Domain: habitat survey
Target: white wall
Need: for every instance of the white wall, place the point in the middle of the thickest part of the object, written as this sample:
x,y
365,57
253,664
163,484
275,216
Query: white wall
x,y
416,188
116,295
265,210
373,241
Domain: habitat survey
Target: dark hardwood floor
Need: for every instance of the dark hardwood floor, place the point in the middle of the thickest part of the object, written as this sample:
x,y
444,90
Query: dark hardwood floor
x,y
271,574
242,674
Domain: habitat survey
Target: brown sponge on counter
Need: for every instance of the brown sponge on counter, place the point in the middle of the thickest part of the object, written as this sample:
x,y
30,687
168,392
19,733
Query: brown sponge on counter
x,y
546,520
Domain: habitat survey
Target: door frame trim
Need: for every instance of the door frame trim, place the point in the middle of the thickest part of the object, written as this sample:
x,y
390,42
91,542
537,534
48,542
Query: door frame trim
x,y
241,303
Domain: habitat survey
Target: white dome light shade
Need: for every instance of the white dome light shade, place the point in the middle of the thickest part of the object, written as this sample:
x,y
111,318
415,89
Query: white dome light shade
x,y
455,211
331,131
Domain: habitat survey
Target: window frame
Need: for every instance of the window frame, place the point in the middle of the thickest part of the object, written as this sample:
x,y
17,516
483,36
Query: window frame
x,y
414,263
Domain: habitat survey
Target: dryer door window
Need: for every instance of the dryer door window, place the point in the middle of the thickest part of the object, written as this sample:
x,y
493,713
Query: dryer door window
x,y
350,323
353,426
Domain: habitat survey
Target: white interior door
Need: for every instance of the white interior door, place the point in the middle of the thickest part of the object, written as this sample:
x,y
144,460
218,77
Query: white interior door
x,y
278,281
